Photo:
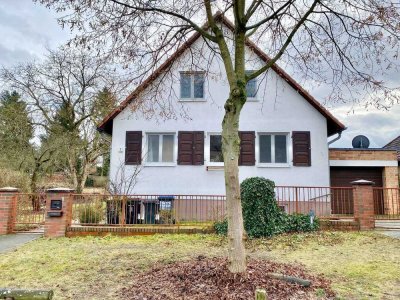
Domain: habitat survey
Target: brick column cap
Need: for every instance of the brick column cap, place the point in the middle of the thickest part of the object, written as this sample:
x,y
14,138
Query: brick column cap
x,y
60,190
362,182
9,189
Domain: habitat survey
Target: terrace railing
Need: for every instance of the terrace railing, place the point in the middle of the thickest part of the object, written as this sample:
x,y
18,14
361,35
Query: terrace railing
x,y
323,201
123,210
387,203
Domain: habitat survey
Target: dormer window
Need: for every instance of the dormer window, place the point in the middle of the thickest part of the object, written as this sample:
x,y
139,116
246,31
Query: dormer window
x,y
192,85
251,87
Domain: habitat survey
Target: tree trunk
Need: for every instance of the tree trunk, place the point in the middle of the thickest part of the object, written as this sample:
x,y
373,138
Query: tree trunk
x,y
231,148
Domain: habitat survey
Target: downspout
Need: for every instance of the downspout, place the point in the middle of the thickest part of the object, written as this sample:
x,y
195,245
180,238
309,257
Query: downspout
x,y
336,138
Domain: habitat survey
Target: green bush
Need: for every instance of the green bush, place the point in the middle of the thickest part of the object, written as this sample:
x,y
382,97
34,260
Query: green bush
x,y
221,227
91,214
261,215
300,223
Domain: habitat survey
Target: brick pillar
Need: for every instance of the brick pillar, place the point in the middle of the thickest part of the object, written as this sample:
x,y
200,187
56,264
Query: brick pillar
x,y
8,209
57,220
364,204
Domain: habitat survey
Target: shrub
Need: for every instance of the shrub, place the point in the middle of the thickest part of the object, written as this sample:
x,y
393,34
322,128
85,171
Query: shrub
x,y
14,179
91,214
300,223
261,215
221,227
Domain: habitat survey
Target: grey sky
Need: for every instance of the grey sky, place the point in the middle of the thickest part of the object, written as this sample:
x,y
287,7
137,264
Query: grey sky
x,y
26,29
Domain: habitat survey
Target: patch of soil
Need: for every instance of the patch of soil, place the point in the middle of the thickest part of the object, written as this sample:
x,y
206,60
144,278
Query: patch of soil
x,y
209,278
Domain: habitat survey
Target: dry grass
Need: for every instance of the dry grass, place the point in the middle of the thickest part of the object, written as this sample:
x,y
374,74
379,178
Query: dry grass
x,y
361,265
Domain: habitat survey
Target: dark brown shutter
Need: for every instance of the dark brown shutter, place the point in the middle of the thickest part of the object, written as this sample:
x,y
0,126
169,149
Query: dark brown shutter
x,y
301,148
247,156
190,148
133,148
198,150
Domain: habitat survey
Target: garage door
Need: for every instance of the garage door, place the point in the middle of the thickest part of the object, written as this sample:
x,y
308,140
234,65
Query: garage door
x,y
342,177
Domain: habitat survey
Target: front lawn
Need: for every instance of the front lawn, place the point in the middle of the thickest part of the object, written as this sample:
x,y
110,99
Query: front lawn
x,y
360,265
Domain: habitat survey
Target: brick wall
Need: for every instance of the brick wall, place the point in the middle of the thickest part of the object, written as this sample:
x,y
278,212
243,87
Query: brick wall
x,y
57,226
7,209
391,177
363,197
350,154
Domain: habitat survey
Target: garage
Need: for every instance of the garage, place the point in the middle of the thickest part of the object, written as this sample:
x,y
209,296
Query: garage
x,y
343,176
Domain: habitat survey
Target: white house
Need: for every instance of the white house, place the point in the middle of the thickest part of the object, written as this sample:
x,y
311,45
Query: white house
x,y
284,130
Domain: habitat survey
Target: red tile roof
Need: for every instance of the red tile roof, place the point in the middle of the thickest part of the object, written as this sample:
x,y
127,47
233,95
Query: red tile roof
x,y
333,124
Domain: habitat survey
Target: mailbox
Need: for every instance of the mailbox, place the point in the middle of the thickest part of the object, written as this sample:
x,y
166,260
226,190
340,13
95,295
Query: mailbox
x,y
55,208
54,213
55,204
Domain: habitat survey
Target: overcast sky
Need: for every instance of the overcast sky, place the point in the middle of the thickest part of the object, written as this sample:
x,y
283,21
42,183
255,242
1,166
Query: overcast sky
x,y
26,29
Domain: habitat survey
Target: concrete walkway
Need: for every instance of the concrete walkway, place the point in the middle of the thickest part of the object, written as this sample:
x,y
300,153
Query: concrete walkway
x,y
10,242
393,233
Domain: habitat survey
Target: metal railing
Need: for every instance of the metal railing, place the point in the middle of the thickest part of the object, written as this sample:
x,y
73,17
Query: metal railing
x,y
124,210
30,211
386,203
323,201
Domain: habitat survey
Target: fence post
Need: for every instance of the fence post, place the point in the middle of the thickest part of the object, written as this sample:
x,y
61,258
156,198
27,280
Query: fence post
x,y
297,199
58,220
363,197
8,209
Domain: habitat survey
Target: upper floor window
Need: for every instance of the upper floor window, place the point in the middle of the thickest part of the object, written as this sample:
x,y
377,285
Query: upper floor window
x,y
273,148
192,85
160,147
251,86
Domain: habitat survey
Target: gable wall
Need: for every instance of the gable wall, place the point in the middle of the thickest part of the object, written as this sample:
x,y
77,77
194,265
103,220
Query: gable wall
x,y
279,109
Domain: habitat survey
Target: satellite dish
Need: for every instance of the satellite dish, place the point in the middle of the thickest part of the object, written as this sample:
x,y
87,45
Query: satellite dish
x,y
360,142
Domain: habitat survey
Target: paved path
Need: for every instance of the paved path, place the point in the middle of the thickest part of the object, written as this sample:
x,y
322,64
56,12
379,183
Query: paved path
x,y
393,233
12,241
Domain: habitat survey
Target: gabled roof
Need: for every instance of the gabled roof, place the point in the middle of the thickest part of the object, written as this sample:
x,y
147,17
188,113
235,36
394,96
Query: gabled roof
x,y
394,145
333,124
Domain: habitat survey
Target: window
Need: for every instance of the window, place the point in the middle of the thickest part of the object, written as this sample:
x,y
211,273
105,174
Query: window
x,y
160,148
216,148
192,85
251,86
273,148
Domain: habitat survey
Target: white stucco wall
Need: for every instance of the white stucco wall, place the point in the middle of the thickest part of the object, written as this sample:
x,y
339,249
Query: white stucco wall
x,y
278,109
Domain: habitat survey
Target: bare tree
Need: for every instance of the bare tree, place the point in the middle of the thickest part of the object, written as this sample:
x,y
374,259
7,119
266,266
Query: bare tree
x,y
62,97
124,181
349,44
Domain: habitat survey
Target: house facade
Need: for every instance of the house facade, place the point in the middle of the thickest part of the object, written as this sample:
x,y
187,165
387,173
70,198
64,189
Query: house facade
x,y
283,129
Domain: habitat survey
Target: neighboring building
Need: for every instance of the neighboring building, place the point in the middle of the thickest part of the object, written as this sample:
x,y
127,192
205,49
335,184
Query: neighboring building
x,y
394,145
350,164
284,130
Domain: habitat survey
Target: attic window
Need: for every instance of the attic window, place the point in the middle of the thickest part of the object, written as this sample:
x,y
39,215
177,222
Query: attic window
x,y
192,85
251,86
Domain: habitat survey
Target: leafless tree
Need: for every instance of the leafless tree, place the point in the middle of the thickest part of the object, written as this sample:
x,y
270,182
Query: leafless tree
x,y
352,45
61,93
124,181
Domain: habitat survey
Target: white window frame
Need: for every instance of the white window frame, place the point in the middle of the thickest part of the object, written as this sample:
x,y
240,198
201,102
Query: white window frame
x,y
207,149
192,98
160,163
273,164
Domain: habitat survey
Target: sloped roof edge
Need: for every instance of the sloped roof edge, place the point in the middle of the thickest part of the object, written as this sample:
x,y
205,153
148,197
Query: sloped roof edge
x,y
333,124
